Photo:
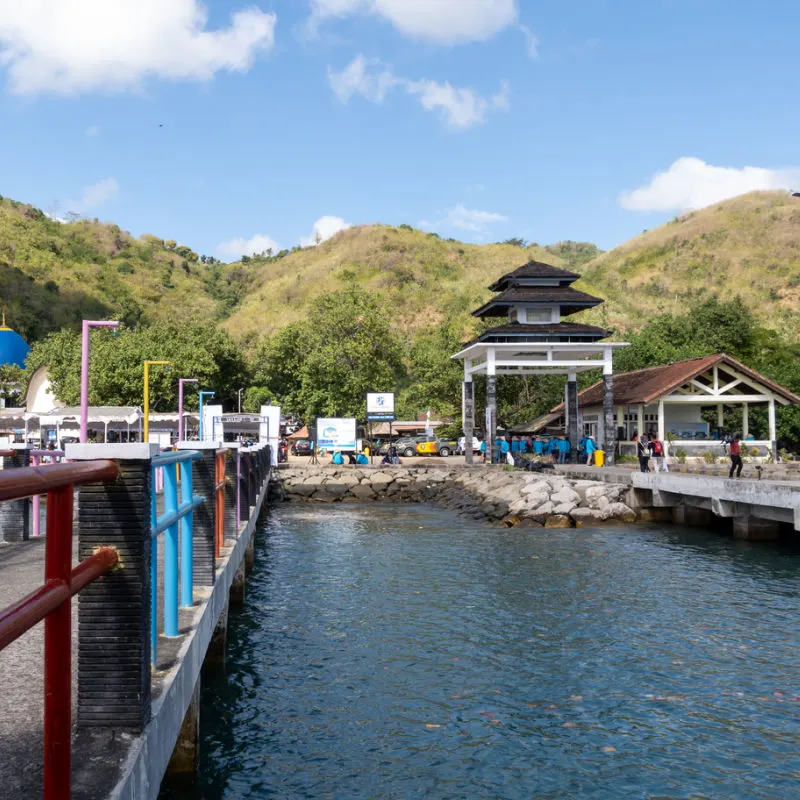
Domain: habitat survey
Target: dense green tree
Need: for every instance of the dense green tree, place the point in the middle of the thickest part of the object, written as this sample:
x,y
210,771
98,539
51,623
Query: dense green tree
x,y
326,364
202,351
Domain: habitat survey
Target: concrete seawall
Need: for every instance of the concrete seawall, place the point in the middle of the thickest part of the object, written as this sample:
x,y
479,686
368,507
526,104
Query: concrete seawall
x,y
492,495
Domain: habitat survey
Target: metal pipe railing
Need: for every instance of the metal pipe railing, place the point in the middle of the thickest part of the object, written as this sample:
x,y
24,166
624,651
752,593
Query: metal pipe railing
x,y
176,523
52,602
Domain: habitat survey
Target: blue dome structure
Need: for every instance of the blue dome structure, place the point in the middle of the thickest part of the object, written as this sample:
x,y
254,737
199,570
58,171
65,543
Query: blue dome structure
x,y
13,348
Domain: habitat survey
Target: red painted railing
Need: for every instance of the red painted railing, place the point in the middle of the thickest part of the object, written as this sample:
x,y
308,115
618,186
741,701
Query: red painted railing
x,y
52,601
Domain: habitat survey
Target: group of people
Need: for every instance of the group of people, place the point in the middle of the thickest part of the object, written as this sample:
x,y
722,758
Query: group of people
x,y
338,458
649,446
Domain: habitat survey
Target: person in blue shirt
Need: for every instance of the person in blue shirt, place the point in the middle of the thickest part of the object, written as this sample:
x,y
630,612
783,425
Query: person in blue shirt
x,y
503,446
591,446
523,445
538,447
483,451
337,459
515,444
362,459
582,448
552,449
563,450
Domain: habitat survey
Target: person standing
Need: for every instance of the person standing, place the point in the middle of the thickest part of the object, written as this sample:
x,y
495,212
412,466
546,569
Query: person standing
x,y
563,450
643,451
736,457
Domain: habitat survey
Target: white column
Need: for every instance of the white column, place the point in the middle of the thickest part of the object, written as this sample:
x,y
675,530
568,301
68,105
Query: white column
x,y
773,435
621,418
640,421
745,420
720,415
662,427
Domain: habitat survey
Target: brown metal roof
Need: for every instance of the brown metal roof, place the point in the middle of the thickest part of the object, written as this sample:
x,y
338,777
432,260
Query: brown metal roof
x,y
570,300
534,269
646,386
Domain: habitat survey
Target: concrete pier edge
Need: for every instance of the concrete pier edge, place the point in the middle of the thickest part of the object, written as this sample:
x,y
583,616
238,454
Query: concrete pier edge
x,y
146,765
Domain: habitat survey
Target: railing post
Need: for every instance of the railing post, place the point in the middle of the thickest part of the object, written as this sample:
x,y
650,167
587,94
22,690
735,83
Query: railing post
x,y
170,474
15,515
231,512
114,613
187,540
204,484
58,648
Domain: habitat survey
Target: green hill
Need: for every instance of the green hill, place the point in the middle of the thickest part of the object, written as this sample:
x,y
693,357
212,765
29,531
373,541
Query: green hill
x,y
53,273
747,246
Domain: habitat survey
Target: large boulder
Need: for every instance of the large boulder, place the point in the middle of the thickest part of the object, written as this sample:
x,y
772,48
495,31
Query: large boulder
x,y
618,511
585,517
380,478
362,491
559,521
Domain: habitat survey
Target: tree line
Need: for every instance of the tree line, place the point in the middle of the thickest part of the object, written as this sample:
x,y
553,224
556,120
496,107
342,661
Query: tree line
x,y
348,345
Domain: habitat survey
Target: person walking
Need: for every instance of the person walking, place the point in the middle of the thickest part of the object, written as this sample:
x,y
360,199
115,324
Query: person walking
x,y
659,456
736,457
393,455
563,450
591,446
643,451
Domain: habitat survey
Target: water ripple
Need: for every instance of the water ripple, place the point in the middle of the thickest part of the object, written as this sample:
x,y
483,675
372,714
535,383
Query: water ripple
x,y
401,652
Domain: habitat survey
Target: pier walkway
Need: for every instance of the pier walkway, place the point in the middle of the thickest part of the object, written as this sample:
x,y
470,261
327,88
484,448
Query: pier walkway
x,y
137,648
757,508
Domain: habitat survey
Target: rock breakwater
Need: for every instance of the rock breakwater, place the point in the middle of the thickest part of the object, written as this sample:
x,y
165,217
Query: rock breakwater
x,y
513,498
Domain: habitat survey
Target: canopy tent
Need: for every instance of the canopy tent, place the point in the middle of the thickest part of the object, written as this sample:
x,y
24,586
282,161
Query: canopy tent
x,y
117,419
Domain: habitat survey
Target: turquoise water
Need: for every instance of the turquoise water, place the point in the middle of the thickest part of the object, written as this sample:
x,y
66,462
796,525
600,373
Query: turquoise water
x,y
402,652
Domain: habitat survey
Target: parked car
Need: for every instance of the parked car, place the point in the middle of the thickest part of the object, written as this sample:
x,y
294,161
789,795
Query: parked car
x,y
302,447
437,447
476,445
406,445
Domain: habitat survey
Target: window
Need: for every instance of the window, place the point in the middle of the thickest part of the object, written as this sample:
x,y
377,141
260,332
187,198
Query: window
x,y
539,315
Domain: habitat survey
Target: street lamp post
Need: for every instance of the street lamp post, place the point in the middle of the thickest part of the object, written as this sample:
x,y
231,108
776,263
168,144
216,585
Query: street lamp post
x,y
240,400
202,395
87,325
147,365
180,404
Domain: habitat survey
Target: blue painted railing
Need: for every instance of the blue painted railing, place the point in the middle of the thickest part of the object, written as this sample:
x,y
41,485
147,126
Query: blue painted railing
x,y
175,515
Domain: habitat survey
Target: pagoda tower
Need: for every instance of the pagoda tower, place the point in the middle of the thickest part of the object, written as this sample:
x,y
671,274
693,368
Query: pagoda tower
x,y
535,339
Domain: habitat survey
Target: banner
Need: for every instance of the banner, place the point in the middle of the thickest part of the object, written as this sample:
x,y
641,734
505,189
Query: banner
x,y
336,434
380,406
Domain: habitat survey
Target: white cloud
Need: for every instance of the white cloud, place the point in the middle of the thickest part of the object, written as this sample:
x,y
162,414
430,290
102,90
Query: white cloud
x,y
73,46
460,107
439,21
355,79
235,248
95,196
474,220
324,228
691,183
531,41
93,130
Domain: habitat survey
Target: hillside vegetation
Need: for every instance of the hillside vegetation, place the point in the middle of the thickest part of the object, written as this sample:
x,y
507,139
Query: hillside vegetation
x,y
53,273
748,246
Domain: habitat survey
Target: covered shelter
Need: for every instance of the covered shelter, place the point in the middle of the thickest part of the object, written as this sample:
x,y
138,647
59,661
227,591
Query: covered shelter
x,y
534,339
668,401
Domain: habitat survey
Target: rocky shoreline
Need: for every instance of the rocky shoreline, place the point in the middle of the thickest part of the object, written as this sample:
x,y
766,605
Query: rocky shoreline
x,y
511,498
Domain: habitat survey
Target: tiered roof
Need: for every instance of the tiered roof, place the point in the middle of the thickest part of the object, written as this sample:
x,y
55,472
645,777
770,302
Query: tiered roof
x,y
538,285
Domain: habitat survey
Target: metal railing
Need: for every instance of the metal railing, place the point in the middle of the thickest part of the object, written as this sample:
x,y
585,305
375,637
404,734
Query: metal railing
x,y
52,602
176,522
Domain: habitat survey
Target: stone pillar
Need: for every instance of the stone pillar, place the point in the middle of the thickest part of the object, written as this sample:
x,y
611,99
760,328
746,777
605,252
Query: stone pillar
x,y
217,647
204,482
773,436
754,529
231,515
15,515
114,612
185,756
572,416
491,418
609,423
469,419
236,596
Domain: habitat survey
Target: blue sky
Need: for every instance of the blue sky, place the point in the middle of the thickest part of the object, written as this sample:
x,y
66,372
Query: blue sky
x,y
231,126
